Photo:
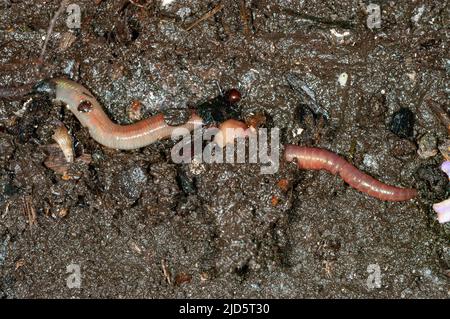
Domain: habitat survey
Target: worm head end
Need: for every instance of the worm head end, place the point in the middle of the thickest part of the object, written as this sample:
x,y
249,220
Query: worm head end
x,y
45,87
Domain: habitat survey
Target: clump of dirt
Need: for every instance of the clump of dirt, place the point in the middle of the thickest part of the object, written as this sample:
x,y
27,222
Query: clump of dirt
x,y
135,224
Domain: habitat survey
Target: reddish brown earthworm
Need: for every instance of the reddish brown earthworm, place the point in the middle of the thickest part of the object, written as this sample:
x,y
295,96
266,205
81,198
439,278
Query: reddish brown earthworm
x,y
91,115
320,159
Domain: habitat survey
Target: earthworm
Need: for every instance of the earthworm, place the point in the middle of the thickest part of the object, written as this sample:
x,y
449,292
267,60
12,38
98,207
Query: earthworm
x,y
320,159
89,112
229,131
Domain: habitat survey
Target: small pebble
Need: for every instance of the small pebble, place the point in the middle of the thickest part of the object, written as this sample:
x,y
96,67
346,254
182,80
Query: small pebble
x,y
297,132
402,123
341,37
186,183
63,212
427,146
444,148
165,3
370,161
131,181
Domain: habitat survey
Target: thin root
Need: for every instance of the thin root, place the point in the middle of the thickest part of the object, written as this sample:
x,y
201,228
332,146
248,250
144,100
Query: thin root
x,y
245,17
15,92
166,271
206,16
6,210
133,2
61,8
29,210
444,118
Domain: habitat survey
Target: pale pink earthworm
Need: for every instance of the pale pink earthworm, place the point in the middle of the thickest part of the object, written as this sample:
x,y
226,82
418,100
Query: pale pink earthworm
x,y
230,130
320,159
89,112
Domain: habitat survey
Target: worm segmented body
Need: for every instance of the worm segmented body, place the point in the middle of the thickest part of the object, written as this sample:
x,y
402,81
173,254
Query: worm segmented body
x,y
91,115
89,112
320,159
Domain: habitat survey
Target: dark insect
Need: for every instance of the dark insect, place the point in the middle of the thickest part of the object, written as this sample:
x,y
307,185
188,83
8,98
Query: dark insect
x,y
233,96
221,108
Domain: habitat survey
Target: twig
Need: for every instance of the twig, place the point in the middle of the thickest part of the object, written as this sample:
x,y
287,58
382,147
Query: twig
x,y
20,263
136,4
62,7
29,211
207,15
13,92
439,111
166,271
317,20
245,18
6,209
15,66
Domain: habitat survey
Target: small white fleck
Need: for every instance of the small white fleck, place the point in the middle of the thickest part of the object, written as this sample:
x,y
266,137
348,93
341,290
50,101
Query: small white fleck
x,y
69,67
21,112
297,132
340,37
415,18
370,161
412,76
342,79
165,3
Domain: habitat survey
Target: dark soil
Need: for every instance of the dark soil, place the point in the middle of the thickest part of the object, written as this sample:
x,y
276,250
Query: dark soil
x,y
139,225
